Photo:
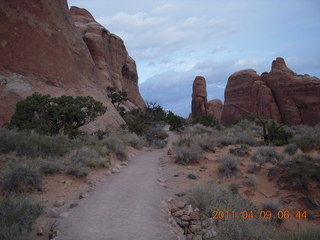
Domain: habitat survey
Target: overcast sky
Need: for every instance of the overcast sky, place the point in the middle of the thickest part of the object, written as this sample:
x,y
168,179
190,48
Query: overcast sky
x,y
174,41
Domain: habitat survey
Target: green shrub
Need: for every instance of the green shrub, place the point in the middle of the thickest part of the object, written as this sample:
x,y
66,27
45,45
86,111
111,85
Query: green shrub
x,y
16,217
135,121
176,122
132,140
190,154
117,98
267,154
50,115
206,120
277,134
21,175
228,165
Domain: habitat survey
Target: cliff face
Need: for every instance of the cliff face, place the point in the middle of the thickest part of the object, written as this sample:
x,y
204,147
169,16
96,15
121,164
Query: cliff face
x,y
115,67
200,103
281,95
41,51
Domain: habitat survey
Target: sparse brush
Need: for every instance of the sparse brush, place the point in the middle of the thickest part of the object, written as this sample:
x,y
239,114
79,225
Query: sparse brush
x,y
86,157
306,137
251,181
21,175
186,155
156,137
274,207
116,145
291,148
205,141
240,151
33,145
263,155
16,217
81,172
214,197
198,129
234,188
49,167
252,168
228,165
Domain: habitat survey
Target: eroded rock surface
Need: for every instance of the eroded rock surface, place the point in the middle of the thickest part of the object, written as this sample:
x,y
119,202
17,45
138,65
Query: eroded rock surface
x,y
281,95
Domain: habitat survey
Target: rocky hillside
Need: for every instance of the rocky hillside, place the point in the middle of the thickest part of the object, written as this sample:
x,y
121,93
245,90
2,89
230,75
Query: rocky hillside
x,y
281,95
46,49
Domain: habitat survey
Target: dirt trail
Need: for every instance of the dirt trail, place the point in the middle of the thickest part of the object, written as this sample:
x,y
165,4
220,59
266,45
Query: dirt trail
x,y
125,206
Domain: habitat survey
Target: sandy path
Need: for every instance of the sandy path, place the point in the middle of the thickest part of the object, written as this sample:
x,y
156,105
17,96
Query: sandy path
x,y
125,206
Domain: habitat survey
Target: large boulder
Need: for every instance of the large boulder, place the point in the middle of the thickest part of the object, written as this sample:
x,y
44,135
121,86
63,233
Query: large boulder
x,y
215,107
281,95
115,66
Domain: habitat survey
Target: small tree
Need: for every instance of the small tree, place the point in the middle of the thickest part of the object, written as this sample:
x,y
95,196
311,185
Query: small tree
x,y
206,120
50,115
117,97
175,121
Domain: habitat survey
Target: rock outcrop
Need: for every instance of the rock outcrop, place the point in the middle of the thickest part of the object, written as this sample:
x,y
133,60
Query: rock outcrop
x,y
115,66
200,103
199,97
281,95
42,51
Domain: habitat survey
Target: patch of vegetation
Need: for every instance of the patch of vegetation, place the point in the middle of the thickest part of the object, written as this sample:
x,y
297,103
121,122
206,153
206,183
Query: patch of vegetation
x,y
80,172
16,217
188,154
117,98
306,137
156,136
252,168
228,165
87,157
21,175
33,145
274,207
267,154
234,188
291,148
176,122
115,145
241,151
206,120
301,170
50,115
214,197
251,181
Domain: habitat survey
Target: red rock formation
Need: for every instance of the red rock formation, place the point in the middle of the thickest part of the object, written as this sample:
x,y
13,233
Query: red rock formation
x,y
200,103
199,97
215,107
115,66
280,95
41,51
